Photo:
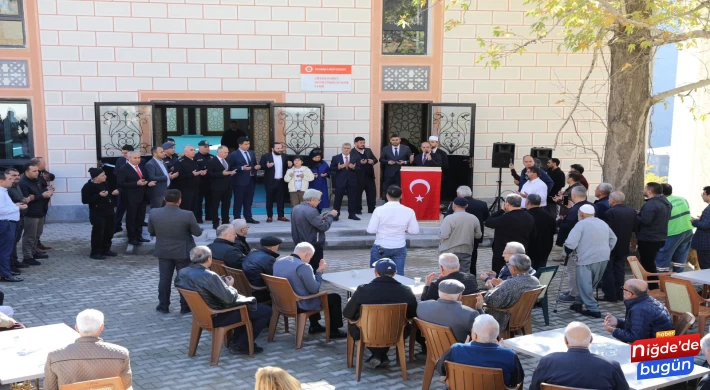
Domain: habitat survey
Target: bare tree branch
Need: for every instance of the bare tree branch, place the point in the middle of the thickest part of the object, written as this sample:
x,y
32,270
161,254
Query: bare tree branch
x,y
583,146
690,35
623,19
678,90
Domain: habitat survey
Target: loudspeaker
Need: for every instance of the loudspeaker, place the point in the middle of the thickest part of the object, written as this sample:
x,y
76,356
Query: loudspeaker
x,y
503,153
542,154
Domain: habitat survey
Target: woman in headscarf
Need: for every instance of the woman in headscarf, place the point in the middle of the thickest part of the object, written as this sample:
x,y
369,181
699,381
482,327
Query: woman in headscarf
x,y
321,172
95,193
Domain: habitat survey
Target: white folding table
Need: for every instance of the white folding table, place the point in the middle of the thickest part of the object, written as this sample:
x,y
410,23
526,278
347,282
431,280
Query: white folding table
x,y
544,343
23,352
350,280
702,276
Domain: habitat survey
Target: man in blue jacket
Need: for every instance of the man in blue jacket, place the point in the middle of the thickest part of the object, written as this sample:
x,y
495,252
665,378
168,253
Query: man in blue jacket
x,y
644,315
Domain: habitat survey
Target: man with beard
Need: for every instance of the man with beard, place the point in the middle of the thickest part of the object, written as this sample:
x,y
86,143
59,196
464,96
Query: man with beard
x,y
365,176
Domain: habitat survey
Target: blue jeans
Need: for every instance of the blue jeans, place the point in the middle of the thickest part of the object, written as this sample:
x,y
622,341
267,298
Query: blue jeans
x,y
675,250
588,277
7,242
398,255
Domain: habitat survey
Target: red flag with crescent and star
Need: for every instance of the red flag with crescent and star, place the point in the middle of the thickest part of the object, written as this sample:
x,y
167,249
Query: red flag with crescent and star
x,y
421,191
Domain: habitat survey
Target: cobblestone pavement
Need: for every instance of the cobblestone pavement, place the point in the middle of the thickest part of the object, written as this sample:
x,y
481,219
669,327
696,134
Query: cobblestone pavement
x,y
125,289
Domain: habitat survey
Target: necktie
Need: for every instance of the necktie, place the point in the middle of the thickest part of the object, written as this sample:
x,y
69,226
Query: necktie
x,y
138,171
396,152
224,163
346,162
423,158
246,157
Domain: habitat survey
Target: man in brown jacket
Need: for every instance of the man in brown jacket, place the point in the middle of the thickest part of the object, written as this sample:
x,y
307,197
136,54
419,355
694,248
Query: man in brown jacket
x,y
88,358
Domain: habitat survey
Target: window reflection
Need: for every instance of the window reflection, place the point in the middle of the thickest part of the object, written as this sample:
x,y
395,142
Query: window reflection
x,y
11,24
15,131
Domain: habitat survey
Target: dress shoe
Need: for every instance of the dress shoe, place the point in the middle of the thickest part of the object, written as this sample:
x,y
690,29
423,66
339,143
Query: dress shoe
x,y
15,272
41,256
110,254
354,218
244,351
593,314
253,221
143,240
605,299
185,311
338,334
18,264
269,220
31,262
39,252
98,257
120,229
200,221
135,243
44,248
145,224
370,211
576,307
11,279
283,219
314,329
358,212
337,218
163,310
215,227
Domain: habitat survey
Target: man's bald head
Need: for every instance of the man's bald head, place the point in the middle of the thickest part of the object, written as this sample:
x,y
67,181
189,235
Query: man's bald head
x,y
637,287
578,334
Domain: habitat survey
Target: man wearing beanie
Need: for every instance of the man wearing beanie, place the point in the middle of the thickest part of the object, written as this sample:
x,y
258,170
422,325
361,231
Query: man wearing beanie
x,y
458,234
384,289
448,310
593,241
261,261
95,193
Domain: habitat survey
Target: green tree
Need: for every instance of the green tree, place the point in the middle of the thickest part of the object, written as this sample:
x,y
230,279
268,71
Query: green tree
x,y
624,36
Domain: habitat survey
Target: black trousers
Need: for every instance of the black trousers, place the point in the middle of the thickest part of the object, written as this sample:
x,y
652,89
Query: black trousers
x,y
388,181
381,352
101,233
474,257
317,255
168,267
205,198
19,226
135,216
497,263
275,192
703,258
259,321
335,310
647,253
120,212
191,201
351,191
366,184
613,278
244,197
221,197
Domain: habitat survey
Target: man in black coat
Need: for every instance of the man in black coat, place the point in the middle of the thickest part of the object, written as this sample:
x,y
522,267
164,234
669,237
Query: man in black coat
x,y
434,142
132,186
426,158
231,137
392,158
558,180
365,176
120,207
578,198
545,228
510,224
384,289
261,261
220,186
171,160
478,208
449,268
95,193
652,227
345,167
189,181
622,221
275,165
223,247
203,157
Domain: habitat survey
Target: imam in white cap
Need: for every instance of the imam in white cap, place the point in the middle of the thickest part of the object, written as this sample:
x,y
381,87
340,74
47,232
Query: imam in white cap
x,y
434,138
587,209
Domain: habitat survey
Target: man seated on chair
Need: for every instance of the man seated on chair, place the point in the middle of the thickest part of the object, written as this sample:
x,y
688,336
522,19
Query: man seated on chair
x,y
506,294
261,261
224,248
483,349
219,294
512,248
382,290
297,270
578,368
448,310
704,382
88,358
449,269
644,315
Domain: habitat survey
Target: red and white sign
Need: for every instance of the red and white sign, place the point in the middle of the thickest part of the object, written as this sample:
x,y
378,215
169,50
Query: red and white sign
x,y
326,78
421,191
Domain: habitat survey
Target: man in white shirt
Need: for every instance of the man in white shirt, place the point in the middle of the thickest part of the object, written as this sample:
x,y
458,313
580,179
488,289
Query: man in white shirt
x,y
9,216
534,185
391,223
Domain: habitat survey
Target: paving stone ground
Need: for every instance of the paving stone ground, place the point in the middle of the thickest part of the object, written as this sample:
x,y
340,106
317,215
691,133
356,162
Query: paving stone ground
x,y
125,289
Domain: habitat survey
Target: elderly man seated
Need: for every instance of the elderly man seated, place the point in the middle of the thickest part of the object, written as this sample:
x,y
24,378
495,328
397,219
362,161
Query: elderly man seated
x,y
579,368
507,293
219,294
512,248
224,248
449,269
241,227
484,350
88,358
297,270
448,310
704,382
644,315
261,261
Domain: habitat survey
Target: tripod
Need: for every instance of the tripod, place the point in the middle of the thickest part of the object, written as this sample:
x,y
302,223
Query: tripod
x,y
495,206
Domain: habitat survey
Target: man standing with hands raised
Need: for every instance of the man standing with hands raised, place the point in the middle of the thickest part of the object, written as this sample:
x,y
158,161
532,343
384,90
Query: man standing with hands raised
x,y
345,167
9,216
221,188
365,176
275,165
190,179
132,185
243,161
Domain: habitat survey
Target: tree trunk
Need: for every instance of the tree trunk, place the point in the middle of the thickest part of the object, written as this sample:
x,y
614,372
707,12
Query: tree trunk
x,y
629,94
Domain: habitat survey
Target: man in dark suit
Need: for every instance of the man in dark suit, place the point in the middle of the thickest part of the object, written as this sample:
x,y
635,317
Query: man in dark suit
x,y
244,181
578,368
365,176
120,207
510,224
202,157
622,221
156,171
558,179
221,187
132,184
426,158
444,157
173,229
189,181
275,165
545,228
478,208
392,158
231,137
345,166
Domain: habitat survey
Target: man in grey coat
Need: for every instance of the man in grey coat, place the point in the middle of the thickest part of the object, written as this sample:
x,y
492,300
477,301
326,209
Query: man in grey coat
x,y
448,310
506,294
173,229
308,225
593,240
156,171
458,233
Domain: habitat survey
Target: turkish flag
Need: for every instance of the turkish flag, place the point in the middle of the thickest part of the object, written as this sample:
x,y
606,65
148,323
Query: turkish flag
x,y
421,191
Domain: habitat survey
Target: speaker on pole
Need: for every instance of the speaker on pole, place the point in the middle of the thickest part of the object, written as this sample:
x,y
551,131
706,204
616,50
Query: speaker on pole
x,y
542,154
503,153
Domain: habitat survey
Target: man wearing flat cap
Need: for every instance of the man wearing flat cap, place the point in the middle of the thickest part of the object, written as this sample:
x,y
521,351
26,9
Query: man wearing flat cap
x,y
203,157
261,261
448,310
458,234
384,289
170,160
